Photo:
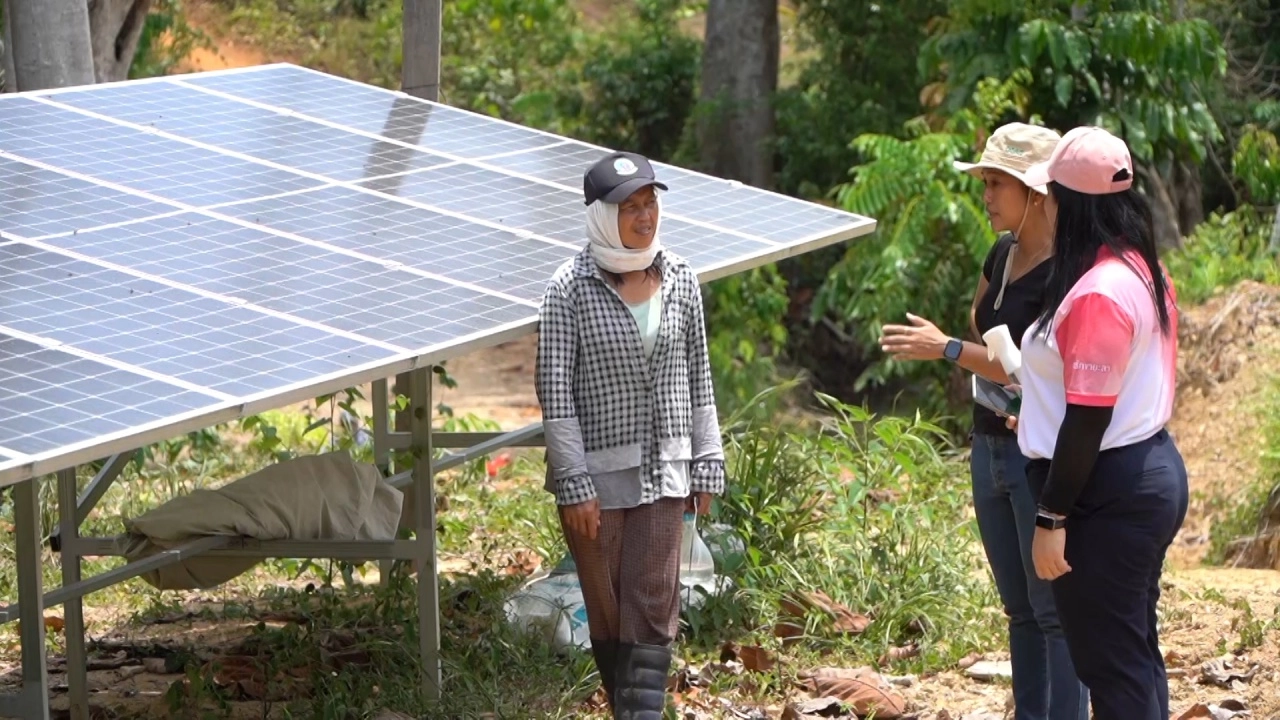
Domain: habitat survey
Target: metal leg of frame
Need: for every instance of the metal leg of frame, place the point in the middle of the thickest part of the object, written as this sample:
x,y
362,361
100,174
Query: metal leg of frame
x,y
382,457
73,609
425,531
97,487
35,676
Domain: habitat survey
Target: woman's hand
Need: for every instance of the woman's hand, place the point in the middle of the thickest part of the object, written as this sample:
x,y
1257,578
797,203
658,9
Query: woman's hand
x,y
583,519
1048,551
921,340
703,501
1011,422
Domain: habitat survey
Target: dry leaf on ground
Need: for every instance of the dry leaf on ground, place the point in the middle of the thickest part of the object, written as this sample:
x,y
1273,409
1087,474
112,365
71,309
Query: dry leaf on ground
x,y
823,707
756,658
862,688
905,652
1226,671
1228,710
843,620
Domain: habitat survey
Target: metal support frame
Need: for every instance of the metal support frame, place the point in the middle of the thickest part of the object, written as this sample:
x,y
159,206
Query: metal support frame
x,y
32,701
418,482
424,516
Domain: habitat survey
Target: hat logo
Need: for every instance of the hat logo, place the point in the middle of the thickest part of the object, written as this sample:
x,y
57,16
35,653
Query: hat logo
x,y
623,166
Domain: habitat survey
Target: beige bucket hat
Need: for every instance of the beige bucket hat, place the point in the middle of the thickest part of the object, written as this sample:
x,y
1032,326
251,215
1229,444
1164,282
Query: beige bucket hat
x,y
1014,148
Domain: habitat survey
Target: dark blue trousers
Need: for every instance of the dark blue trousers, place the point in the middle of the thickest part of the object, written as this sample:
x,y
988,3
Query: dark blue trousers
x,y
1117,535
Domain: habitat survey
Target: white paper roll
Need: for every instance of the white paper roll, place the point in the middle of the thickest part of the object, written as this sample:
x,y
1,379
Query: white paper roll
x,y
1000,347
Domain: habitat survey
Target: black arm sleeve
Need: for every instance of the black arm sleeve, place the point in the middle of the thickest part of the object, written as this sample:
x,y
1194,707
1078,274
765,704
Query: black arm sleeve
x,y
1079,440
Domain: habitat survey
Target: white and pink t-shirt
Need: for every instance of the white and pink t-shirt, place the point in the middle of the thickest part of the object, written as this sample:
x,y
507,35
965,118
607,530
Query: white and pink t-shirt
x,y
1104,348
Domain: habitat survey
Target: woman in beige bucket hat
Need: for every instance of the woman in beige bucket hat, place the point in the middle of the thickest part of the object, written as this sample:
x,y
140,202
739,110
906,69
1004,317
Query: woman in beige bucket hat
x,y
1010,292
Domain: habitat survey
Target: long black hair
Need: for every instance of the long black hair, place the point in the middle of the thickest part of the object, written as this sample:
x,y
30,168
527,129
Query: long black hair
x,y
1086,223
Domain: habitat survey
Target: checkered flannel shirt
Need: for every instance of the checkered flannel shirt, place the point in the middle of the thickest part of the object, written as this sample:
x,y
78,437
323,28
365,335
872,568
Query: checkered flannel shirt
x,y
605,406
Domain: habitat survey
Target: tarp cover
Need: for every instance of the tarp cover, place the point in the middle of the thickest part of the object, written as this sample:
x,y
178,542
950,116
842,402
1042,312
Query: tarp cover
x,y
314,497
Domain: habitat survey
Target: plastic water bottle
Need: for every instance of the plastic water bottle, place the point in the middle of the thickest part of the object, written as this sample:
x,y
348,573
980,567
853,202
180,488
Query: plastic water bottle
x,y
697,567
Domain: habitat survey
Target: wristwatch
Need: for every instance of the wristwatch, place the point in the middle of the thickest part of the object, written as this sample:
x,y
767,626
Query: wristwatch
x,y
1049,521
953,349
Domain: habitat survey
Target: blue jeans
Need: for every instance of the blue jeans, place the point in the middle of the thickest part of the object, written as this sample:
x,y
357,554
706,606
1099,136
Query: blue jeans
x,y
1045,686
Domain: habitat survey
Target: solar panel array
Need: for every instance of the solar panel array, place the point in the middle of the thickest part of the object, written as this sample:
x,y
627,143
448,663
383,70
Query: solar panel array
x,y
180,248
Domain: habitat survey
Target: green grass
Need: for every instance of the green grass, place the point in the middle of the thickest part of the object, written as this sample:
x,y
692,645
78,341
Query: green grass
x,y
1238,517
873,512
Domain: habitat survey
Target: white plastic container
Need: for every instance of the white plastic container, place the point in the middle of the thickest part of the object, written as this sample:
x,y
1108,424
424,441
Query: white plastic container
x,y
552,606
1000,346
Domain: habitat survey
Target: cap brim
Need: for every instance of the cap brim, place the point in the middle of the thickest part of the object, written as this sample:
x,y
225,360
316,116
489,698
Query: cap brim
x,y
623,191
975,169
1037,174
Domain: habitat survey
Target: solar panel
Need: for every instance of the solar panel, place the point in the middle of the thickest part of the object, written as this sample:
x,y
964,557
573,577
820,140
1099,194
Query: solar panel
x,y
183,250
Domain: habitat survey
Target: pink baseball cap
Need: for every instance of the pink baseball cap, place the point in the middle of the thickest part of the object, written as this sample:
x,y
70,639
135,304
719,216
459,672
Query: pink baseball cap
x,y
1089,160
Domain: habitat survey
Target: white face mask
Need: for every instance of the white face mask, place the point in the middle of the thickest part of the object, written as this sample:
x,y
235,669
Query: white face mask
x,y
605,242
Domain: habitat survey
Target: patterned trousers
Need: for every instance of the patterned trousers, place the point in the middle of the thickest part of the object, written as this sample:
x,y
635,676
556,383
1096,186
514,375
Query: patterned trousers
x,y
630,574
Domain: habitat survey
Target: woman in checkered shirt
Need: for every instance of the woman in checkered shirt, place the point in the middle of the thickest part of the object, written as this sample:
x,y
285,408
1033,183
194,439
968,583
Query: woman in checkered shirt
x,y
624,382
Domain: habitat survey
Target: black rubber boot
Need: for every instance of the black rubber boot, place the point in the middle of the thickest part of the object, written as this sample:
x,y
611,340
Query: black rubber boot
x,y
642,681
606,655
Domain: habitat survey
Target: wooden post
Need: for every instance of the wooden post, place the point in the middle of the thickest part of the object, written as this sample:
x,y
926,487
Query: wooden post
x,y
420,76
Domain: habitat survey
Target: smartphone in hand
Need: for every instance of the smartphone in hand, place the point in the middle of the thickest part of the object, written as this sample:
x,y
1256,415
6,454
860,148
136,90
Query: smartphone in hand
x,y
995,398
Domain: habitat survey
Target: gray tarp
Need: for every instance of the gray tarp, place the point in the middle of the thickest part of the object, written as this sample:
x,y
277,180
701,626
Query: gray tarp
x,y
315,497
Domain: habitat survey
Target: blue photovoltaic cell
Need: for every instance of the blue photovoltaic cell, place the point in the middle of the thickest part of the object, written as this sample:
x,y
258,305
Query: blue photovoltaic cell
x,y
52,398
398,117
259,133
172,245
394,231
564,164
135,159
489,195
748,210
304,280
172,332
35,202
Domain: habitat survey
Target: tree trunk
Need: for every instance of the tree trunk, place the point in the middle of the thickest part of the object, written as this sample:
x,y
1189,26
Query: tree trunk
x,y
1164,212
1274,245
10,80
1190,197
739,78
115,27
51,46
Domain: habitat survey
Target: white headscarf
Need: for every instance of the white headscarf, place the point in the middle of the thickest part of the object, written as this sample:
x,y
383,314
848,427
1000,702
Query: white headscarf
x,y
605,242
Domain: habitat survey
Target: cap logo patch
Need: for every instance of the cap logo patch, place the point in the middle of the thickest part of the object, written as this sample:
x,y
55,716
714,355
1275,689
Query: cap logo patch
x,y
623,166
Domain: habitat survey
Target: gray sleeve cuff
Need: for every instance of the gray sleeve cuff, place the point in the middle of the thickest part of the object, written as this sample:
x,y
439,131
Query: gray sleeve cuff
x,y
566,456
706,434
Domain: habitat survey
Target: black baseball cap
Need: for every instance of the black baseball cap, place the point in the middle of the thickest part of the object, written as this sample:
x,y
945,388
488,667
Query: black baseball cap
x,y
615,176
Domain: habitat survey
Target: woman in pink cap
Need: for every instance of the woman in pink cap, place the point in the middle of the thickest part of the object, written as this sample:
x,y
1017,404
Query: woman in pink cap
x,y
1098,377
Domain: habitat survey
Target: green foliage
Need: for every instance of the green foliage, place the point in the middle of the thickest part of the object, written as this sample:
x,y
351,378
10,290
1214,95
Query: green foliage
x,y
746,335
167,38
933,233
1242,513
638,83
1129,65
1224,250
850,83
1257,165
501,57
865,509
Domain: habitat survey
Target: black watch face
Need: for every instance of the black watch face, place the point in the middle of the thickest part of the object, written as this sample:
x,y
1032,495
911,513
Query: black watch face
x,y
954,347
